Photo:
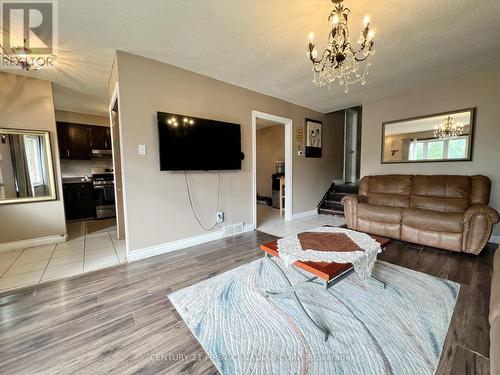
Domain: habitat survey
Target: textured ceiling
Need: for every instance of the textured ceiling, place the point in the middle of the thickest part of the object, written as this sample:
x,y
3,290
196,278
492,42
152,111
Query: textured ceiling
x,y
261,44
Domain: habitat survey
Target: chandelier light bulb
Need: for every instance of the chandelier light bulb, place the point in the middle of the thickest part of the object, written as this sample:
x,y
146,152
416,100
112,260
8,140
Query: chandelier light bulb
x,y
311,37
366,21
335,21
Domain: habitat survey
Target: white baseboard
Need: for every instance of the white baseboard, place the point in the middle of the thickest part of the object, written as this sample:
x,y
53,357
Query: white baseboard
x,y
495,239
300,215
229,230
23,244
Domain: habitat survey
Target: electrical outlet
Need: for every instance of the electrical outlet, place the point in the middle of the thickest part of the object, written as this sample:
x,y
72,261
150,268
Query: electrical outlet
x,y
220,217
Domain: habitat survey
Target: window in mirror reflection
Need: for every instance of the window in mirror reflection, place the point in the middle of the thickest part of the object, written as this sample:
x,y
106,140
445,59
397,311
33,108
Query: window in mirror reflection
x,y
415,140
25,171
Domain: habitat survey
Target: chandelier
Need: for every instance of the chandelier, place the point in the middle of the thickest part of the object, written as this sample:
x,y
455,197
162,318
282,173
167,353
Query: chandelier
x,y
22,57
449,129
340,60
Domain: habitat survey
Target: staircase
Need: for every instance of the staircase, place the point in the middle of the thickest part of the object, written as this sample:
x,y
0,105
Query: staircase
x,y
330,204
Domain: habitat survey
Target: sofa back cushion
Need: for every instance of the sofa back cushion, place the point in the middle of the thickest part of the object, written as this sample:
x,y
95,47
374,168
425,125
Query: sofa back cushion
x,y
445,193
480,190
387,190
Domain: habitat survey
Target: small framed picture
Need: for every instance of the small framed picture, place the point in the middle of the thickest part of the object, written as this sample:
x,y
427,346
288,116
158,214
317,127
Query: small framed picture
x,y
313,138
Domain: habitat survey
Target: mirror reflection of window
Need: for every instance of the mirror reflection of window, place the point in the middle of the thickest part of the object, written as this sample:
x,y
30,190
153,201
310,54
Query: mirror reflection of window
x,y
431,138
25,166
438,149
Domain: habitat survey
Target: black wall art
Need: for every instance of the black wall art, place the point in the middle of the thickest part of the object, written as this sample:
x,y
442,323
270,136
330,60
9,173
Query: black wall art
x,y
313,138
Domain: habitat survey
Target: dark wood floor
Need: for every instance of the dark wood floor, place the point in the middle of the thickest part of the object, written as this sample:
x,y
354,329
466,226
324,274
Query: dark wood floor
x,y
119,320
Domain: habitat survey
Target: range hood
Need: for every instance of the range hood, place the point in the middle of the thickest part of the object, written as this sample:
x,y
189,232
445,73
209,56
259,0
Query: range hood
x,y
101,154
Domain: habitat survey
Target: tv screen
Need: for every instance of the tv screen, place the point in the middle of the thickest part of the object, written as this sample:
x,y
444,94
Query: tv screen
x,y
191,143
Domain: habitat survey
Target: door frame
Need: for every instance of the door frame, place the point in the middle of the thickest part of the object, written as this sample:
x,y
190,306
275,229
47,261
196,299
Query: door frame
x,y
288,124
115,101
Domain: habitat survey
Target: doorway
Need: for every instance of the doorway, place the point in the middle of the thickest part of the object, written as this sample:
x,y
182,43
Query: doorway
x,y
114,111
271,167
352,145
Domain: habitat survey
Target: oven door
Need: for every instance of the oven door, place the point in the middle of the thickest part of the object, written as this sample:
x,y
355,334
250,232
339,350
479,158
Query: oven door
x,y
104,196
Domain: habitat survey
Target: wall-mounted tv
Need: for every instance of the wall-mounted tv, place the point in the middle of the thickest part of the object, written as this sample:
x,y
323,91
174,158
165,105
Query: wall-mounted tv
x,y
192,143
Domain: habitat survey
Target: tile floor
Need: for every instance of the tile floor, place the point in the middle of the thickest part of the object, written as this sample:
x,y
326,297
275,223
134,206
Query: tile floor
x,y
91,245
270,221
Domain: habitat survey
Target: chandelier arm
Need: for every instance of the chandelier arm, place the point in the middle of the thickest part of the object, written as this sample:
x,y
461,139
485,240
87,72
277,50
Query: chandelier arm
x,y
319,61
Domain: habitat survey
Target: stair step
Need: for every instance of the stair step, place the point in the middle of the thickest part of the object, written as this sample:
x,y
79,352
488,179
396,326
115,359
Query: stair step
x,y
347,189
327,211
333,205
334,196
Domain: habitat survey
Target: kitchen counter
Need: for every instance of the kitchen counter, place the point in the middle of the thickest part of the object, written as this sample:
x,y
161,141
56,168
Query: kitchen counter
x,y
76,180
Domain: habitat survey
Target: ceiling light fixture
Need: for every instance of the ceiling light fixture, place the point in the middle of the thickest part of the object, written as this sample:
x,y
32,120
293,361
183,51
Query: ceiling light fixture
x,y
449,129
25,59
340,61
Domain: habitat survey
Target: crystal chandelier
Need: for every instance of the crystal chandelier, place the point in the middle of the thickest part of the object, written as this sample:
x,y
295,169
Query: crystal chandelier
x,y
22,57
449,129
340,60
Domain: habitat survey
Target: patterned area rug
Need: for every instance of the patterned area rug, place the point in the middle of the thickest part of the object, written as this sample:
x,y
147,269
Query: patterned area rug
x,y
397,330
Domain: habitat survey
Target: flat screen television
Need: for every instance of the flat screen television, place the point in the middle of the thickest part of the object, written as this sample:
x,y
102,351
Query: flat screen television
x,y
192,143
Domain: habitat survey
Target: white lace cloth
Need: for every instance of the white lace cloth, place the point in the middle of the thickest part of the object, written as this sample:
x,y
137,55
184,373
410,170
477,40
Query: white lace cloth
x,y
290,251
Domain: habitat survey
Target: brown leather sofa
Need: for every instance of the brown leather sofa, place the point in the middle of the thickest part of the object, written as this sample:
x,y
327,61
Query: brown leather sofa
x,y
447,212
495,317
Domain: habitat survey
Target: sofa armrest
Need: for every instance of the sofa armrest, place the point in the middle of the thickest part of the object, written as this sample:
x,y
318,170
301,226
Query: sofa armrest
x,y
350,203
478,223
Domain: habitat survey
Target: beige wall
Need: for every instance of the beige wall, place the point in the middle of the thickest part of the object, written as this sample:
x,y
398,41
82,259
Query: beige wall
x,y
479,90
82,118
270,148
27,103
157,205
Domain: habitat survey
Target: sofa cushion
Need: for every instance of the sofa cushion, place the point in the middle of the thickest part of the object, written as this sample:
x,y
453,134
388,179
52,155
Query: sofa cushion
x,y
442,186
390,184
457,205
393,200
382,214
442,240
480,190
441,193
433,220
380,220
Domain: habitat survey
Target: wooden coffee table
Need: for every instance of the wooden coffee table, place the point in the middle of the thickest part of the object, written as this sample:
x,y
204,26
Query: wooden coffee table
x,y
328,273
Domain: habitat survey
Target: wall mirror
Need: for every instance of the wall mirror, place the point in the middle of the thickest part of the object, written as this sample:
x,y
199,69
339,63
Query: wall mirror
x,y
26,172
439,137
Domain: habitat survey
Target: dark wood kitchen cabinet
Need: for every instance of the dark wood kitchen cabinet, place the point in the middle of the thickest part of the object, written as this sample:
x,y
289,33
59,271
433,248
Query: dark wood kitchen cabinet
x,y
100,138
76,141
78,201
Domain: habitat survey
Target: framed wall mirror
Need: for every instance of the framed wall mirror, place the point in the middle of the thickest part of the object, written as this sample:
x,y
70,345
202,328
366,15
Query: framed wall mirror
x,y
440,137
26,166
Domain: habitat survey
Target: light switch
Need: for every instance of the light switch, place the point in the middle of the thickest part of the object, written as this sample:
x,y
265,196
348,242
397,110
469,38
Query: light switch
x,y
142,149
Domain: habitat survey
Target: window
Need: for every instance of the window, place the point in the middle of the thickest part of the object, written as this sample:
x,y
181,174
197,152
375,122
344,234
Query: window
x,y
457,148
34,159
437,149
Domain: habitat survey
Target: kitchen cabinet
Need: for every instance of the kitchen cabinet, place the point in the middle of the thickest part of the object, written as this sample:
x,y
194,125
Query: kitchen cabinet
x,y
76,141
100,138
79,200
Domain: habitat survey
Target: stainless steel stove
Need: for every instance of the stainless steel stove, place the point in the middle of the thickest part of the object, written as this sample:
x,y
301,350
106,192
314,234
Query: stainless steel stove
x,y
104,192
